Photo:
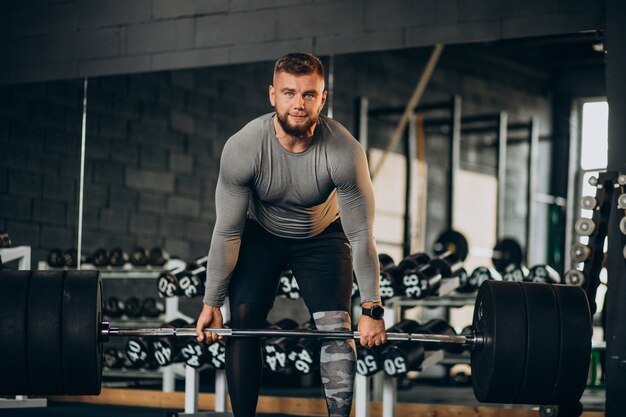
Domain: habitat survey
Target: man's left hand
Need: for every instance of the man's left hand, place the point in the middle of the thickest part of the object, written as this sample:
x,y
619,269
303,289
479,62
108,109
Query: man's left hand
x,y
372,331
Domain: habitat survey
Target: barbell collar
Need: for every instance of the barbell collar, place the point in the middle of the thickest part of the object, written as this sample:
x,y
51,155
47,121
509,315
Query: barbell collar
x,y
107,331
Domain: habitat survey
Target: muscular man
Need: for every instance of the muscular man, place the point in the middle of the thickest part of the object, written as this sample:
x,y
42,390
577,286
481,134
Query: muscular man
x,y
293,188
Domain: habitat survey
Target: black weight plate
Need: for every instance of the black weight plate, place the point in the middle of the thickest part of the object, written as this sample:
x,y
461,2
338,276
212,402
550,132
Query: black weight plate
x,y
498,363
80,330
13,316
45,359
451,241
542,344
575,347
506,252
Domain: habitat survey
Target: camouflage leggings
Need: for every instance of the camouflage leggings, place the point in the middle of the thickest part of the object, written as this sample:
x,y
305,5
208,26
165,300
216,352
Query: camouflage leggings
x,y
337,363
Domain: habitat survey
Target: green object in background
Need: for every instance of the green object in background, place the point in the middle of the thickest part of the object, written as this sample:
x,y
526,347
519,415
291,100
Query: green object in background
x,y
556,237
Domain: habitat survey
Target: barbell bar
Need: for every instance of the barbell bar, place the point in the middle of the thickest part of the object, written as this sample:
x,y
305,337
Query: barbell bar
x,y
107,331
531,342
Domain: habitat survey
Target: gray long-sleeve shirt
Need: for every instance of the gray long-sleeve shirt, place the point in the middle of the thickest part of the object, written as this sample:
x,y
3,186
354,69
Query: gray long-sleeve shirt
x,y
292,195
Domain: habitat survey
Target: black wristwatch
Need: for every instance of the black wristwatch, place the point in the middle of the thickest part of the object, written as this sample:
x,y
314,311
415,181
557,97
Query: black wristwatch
x,y
376,312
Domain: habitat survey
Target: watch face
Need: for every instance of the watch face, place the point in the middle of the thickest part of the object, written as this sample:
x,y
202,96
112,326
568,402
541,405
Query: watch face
x,y
377,312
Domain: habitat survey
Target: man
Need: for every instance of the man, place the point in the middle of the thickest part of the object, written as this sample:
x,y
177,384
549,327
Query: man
x,y
294,188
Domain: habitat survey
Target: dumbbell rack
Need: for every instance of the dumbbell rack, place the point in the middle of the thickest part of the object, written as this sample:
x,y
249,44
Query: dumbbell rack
x,y
167,374
362,394
21,254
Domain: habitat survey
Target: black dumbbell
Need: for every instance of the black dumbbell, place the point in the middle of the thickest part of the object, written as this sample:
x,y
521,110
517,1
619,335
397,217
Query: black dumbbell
x,y
132,307
5,240
117,257
288,285
515,272
275,349
368,360
506,252
70,258
157,257
139,256
113,307
303,353
194,354
55,258
167,349
475,279
389,277
191,283
100,257
440,326
113,358
409,284
150,307
543,273
167,283
401,357
448,264
138,352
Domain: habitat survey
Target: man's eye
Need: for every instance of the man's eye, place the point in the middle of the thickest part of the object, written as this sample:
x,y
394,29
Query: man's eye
x,y
309,96
289,94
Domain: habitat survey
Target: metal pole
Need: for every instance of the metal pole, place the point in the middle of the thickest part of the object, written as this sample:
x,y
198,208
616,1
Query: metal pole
x,y
501,169
81,186
533,156
331,86
410,154
454,156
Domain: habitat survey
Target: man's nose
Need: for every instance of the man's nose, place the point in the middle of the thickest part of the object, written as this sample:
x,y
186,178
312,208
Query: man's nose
x,y
299,102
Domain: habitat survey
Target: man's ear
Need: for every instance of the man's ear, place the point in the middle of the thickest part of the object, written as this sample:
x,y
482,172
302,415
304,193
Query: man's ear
x,y
324,94
272,95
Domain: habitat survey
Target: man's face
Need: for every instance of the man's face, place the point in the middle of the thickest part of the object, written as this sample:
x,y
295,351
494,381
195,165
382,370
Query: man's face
x,y
298,100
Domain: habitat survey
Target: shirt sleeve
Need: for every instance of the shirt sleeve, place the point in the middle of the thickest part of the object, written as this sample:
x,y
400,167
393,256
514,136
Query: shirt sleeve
x,y
356,208
231,204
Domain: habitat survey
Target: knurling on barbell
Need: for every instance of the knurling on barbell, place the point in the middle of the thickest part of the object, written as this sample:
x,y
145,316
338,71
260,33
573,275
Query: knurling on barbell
x,y
512,359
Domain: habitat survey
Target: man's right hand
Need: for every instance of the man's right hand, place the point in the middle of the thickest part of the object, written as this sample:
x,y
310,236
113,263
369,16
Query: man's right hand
x,y
210,317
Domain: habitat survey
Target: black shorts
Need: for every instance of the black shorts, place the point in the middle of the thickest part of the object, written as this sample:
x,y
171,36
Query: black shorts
x,y
322,266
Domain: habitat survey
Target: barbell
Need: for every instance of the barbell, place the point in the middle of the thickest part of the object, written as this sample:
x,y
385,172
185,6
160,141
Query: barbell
x,y
530,342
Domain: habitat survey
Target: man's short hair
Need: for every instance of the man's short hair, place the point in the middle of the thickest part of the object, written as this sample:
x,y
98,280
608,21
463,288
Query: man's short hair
x,y
298,63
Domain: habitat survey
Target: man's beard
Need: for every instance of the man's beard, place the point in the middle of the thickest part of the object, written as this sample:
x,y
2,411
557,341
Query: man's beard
x,y
296,131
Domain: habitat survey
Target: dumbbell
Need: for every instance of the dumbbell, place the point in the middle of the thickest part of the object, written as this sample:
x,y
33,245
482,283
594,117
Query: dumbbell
x,y
194,354
113,307
139,256
303,353
580,252
506,252
288,285
275,349
191,282
100,257
113,358
5,240
70,258
55,258
440,326
410,284
157,257
117,257
401,357
167,283
132,307
543,273
167,349
368,360
584,227
473,280
150,307
515,272
389,277
574,277
138,352
448,264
